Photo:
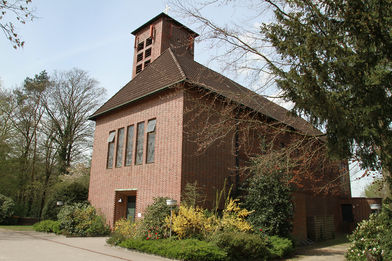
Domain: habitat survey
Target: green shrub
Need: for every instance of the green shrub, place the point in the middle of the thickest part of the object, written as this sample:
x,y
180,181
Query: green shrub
x,y
187,249
68,193
269,196
372,239
81,219
48,226
280,247
6,207
153,222
241,245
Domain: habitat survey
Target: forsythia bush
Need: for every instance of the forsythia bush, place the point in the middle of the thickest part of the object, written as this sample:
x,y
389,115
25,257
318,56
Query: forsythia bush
x,y
125,228
199,234
234,217
193,222
190,222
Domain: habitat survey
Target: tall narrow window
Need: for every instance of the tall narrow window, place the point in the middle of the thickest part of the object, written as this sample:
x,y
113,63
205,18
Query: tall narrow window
x,y
120,146
109,163
139,143
129,148
151,140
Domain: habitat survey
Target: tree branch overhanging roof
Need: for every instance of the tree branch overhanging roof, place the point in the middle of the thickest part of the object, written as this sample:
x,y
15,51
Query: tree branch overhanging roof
x,y
170,69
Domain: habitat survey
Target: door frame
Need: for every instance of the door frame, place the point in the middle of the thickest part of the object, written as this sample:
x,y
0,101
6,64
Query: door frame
x,y
120,203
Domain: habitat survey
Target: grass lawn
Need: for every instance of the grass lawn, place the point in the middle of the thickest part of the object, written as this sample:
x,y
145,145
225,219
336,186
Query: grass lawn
x,y
17,228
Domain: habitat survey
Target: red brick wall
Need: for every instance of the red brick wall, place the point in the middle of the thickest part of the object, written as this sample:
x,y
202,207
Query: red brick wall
x,y
299,217
156,46
361,207
177,161
177,38
208,167
161,178
165,34
324,206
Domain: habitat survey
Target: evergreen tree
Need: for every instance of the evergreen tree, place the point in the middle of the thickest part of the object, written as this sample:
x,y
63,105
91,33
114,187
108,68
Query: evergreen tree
x,y
339,72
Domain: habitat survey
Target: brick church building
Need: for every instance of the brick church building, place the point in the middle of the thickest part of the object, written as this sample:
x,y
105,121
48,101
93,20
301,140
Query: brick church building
x,y
142,149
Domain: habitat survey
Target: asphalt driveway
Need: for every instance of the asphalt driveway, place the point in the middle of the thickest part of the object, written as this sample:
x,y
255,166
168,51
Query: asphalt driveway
x,y
29,245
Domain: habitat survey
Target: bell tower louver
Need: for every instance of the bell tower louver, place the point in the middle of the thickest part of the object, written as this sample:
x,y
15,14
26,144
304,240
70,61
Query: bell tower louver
x,y
157,35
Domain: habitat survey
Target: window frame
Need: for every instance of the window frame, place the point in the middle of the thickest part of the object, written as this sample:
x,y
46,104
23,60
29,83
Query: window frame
x,y
111,137
148,133
139,142
129,146
118,148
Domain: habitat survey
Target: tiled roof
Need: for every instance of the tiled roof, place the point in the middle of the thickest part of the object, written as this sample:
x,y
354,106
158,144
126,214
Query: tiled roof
x,y
161,73
167,17
169,69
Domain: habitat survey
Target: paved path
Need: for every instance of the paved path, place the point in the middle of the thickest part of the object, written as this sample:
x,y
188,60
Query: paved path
x,y
34,246
330,253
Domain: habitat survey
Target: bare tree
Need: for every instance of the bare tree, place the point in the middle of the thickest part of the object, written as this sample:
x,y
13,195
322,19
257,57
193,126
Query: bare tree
x,y
11,10
72,98
49,151
262,144
242,51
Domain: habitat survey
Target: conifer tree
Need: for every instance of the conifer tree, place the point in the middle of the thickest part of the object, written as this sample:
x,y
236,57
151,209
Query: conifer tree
x,y
339,73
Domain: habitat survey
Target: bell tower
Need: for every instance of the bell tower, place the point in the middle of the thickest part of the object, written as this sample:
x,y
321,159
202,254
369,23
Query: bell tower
x,y
157,35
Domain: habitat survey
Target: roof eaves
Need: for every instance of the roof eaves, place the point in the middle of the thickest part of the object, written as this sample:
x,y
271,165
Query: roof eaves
x,y
163,15
93,117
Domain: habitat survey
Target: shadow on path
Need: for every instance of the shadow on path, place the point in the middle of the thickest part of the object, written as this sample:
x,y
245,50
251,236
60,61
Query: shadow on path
x,y
328,250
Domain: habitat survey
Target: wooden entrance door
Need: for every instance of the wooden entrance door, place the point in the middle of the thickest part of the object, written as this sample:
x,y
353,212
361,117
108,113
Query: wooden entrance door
x,y
131,208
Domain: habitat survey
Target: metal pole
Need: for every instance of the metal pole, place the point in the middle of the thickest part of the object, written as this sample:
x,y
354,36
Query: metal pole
x,y
171,214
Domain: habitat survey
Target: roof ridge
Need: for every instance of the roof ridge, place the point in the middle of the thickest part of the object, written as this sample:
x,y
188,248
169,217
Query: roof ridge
x,y
177,63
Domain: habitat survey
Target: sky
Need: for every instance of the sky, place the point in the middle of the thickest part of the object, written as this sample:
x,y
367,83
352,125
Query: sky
x,y
95,36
